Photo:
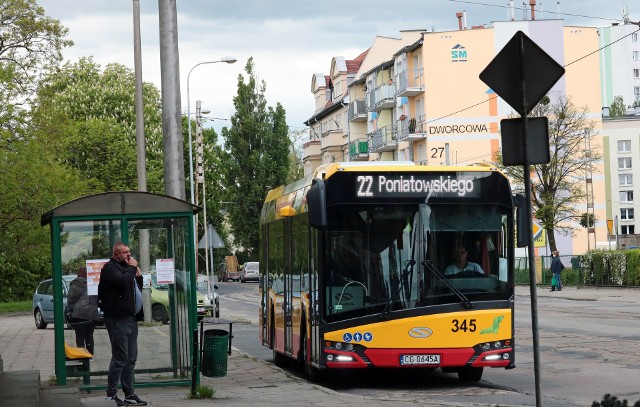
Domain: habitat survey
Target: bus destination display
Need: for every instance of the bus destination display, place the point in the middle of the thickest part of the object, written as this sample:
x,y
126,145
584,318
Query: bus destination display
x,y
416,185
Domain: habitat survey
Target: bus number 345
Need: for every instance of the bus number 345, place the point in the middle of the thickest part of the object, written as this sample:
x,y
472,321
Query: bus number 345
x,y
463,325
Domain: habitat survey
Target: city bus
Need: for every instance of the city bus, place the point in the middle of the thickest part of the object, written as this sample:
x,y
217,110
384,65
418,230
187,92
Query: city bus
x,y
354,269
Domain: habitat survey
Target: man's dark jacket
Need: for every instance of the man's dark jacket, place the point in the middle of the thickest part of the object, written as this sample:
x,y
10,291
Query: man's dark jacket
x,y
116,295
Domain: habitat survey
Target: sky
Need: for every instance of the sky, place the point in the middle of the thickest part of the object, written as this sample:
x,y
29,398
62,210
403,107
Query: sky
x,y
289,40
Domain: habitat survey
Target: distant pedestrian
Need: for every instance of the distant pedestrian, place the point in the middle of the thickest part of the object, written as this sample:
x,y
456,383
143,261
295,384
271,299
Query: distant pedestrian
x,y
121,303
83,310
556,269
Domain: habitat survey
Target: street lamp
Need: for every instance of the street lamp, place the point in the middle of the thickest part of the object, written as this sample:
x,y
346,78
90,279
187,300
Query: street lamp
x,y
229,60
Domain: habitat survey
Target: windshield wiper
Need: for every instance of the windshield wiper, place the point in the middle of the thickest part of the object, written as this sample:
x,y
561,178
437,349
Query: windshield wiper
x,y
465,301
405,273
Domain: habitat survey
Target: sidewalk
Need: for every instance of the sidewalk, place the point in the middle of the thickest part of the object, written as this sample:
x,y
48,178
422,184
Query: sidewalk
x,y
249,381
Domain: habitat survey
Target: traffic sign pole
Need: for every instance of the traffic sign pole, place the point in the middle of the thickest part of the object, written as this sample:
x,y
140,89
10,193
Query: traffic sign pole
x,y
522,61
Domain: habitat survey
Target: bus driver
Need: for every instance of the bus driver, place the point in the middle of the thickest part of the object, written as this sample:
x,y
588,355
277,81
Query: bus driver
x,y
461,264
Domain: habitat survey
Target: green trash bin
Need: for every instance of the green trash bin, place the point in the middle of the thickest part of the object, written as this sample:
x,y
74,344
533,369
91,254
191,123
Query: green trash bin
x,y
215,345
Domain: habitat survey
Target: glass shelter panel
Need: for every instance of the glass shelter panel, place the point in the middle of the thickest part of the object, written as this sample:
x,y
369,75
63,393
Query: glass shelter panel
x,y
161,247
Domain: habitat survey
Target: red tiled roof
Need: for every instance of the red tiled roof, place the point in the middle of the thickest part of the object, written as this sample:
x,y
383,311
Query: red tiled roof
x,y
354,64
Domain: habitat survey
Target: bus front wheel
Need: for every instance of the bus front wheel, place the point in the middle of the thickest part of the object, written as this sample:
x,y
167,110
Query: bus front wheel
x,y
470,374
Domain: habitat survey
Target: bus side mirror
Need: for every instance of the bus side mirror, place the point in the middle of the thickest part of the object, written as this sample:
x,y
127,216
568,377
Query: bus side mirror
x,y
316,204
522,238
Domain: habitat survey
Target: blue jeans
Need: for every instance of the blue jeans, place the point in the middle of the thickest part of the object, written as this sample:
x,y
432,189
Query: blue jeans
x,y
123,334
559,285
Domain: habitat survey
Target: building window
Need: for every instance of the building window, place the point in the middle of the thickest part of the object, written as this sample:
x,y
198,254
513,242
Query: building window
x,y
625,179
624,163
627,229
626,213
626,196
634,37
624,146
636,55
636,91
636,73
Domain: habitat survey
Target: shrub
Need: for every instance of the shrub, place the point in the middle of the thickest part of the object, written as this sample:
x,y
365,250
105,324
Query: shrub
x,y
201,392
612,401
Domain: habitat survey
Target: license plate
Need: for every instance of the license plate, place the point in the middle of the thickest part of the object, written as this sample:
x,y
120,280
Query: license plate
x,y
201,309
419,359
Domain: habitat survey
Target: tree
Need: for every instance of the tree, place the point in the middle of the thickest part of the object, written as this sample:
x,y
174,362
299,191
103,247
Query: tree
x,y
617,108
557,187
30,45
587,220
32,183
257,156
90,114
296,168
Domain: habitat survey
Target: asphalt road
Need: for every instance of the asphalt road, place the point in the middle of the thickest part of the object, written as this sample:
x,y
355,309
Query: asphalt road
x,y
589,343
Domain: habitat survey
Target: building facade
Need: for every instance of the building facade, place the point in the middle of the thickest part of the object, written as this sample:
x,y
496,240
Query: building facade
x,y
425,103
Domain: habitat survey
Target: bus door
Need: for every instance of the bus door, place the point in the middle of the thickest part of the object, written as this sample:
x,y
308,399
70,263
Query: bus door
x,y
288,287
265,285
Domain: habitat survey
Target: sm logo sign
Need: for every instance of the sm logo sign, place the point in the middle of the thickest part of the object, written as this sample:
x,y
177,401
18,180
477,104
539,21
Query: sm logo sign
x,y
458,53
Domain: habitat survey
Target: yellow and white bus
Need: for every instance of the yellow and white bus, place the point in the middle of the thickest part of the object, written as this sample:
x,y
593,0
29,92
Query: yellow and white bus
x,y
354,269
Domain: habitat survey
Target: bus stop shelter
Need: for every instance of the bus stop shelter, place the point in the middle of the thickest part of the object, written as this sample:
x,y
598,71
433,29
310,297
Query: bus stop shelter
x,y
160,232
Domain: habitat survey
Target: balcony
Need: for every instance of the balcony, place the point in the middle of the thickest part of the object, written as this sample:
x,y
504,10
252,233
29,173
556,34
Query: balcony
x,y
411,127
410,82
330,126
382,139
359,150
357,111
314,137
382,97
332,135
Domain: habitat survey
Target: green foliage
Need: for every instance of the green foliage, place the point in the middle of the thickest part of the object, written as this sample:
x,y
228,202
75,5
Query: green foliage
x,y
611,268
587,220
617,108
633,267
257,157
32,183
201,392
90,113
612,401
31,44
16,306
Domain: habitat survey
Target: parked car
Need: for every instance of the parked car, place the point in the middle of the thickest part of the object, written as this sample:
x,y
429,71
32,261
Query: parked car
x,y
42,307
250,271
160,302
203,289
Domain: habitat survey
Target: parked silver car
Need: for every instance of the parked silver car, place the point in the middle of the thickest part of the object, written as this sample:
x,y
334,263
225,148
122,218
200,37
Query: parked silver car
x,y
42,307
250,271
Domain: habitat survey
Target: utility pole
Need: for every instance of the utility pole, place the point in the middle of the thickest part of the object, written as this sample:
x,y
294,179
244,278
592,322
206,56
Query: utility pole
x,y
171,108
201,182
141,153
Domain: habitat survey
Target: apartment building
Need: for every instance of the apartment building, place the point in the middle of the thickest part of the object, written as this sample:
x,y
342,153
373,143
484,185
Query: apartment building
x,y
340,111
620,76
426,103
622,162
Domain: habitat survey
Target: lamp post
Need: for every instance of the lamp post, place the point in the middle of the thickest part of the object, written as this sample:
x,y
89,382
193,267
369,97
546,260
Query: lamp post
x,y
229,60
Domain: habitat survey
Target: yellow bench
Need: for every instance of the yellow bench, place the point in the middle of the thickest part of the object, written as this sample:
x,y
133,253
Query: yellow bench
x,y
77,364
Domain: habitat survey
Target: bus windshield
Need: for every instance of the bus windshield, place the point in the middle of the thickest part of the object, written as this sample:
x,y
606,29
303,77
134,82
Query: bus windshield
x,y
384,258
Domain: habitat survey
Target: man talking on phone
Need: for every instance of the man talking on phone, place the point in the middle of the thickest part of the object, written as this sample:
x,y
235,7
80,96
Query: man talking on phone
x,y
120,299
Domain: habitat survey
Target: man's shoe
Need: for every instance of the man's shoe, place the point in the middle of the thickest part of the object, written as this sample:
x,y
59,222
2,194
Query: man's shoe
x,y
119,402
133,400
